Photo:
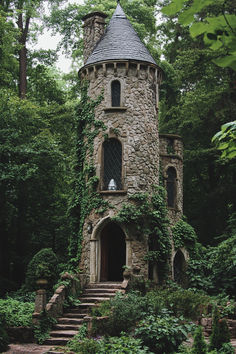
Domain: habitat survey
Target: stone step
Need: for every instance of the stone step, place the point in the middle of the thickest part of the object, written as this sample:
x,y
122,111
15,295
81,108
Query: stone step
x,y
85,305
107,285
74,315
56,341
67,326
106,295
93,299
77,310
63,333
64,320
100,290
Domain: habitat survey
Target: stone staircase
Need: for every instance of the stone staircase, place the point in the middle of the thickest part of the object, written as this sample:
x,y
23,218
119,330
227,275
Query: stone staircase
x,y
68,325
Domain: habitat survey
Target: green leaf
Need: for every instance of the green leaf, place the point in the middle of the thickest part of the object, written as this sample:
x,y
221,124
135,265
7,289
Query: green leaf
x,y
173,8
227,61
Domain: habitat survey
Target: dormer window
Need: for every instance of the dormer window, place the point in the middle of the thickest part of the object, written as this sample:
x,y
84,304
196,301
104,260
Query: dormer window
x,y
115,93
171,187
112,165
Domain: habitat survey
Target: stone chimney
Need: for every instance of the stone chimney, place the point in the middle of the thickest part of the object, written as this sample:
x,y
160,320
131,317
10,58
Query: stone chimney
x,y
94,25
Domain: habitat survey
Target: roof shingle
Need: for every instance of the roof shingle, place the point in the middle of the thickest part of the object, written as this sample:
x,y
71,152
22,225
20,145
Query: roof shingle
x,y
120,41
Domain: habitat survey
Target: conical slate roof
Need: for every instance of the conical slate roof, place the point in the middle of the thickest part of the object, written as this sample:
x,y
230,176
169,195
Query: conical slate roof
x,y
120,41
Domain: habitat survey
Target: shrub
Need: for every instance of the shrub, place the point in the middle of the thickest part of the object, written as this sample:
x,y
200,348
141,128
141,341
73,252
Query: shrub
x,y
220,331
16,313
162,334
44,264
126,310
3,335
87,346
226,348
22,295
82,333
181,302
199,344
122,344
41,330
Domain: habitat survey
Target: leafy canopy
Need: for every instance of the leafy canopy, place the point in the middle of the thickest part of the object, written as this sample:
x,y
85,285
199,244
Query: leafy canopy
x,y
219,31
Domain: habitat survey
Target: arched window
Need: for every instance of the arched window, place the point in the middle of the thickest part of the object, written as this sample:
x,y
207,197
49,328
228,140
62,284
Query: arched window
x,y
115,93
112,165
179,267
171,187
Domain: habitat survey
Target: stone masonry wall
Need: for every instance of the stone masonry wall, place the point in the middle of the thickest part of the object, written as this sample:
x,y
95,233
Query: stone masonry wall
x,y
171,155
94,25
135,124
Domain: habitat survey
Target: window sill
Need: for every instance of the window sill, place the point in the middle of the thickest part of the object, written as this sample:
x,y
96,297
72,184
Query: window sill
x,y
115,109
122,191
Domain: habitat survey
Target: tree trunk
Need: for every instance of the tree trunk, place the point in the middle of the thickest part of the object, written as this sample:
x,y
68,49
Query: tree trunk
x,y
23,54
22,72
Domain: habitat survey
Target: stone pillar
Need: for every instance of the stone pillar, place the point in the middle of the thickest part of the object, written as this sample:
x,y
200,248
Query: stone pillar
x,y
94,24
40,304
93,261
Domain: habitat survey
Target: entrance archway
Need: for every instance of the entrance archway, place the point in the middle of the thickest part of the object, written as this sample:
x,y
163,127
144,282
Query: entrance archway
x,y
113,253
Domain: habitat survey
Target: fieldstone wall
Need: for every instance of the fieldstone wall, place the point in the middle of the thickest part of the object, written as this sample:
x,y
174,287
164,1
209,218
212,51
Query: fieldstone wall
x,y
171,155
135,124
94,24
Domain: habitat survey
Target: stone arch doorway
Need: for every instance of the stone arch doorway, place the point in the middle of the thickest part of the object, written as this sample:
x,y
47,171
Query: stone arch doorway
x,y
179,266
112,253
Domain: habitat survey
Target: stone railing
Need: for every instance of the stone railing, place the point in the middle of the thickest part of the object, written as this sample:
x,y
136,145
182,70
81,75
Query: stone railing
x,y
54,307
206,323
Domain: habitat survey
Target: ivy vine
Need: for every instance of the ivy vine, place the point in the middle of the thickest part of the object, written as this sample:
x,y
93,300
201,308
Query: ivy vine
x,y
146,216
85,197
184,235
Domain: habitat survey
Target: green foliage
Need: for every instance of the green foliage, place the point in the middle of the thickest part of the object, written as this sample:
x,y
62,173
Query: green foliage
x,y
43,265
85,197
141,14
184,235
225,140
41,330
147,217
162,334
181,302
16,313
85,346
74,343
199,344
219,31
22,295
209,269
33,181
122,344
3,334
226,348
104,309
125,311
220,331
223,268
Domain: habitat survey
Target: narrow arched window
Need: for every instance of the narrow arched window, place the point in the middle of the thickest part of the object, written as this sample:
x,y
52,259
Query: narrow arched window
x,y
171,187
179,266
112,165
115,93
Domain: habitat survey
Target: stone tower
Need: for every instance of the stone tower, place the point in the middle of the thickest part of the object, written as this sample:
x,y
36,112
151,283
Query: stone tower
x,y
126,157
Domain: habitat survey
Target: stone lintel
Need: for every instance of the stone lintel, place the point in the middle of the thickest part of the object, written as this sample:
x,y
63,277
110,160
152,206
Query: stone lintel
x,y
114,192
115,109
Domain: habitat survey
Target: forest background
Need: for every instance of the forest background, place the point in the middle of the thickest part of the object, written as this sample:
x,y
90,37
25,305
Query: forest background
x,y
39,108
